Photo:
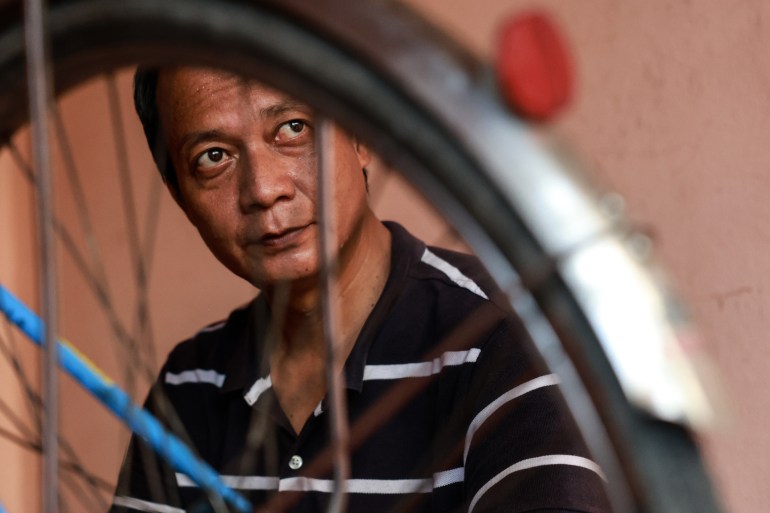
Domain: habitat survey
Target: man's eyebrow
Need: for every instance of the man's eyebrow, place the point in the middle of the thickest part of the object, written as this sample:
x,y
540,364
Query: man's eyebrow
x,y
194,138
269,112
274,111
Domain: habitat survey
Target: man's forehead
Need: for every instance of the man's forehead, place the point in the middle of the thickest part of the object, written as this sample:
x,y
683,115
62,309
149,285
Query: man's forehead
x,y
187,86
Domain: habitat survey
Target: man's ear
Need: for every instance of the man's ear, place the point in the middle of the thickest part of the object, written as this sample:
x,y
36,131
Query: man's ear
x,y
362,150
169,176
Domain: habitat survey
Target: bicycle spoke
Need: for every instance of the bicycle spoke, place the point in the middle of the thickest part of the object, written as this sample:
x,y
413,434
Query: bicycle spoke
x,y
40,96
456,145
67,465
10,351
260,424
95,277
96,285
19,440
26,432
72,463
330,293
142,335
87,492
448,238
96,266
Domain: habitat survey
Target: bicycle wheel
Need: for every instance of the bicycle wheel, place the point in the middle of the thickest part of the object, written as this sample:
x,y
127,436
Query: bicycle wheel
x,y
422,104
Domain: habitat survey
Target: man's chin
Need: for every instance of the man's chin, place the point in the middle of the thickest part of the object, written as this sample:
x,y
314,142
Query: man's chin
x,y
294,280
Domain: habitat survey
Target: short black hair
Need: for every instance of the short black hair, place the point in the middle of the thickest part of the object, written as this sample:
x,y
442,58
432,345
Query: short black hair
x,y
146,105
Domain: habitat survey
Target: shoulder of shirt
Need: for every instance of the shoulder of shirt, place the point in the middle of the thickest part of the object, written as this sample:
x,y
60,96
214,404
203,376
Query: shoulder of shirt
x,y
464,273
211,344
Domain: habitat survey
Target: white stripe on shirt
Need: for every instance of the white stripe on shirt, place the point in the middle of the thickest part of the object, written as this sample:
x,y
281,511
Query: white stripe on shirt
x,y
140,505
257,389
383,372
483,415
235,482
308,484
196,376
540,461
368,486
448,477
213,327
421,369
452,272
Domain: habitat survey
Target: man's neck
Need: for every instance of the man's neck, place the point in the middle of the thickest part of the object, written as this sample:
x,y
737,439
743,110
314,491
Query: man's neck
x,y
362,277
298,361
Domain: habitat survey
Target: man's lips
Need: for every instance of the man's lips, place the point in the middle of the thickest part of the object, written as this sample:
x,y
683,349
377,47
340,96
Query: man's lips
x,y
283,237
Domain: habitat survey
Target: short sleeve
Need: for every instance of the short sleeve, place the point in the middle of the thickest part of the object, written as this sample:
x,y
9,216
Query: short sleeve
x,y
146,483
523,451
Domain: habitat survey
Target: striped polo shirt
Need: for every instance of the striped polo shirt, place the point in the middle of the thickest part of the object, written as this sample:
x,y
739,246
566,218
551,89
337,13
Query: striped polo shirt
x,y
450,409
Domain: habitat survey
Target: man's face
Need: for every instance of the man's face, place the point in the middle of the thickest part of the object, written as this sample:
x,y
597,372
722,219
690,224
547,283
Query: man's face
x,y
245,160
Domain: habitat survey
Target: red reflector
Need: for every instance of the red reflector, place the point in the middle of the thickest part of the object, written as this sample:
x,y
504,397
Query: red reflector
x,y
533,67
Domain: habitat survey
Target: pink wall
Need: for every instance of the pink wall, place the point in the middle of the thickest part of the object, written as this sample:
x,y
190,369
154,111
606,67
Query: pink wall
x,y
672,111
19,474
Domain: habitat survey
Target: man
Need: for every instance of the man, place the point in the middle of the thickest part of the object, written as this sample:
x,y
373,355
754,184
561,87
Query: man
x,y
450,409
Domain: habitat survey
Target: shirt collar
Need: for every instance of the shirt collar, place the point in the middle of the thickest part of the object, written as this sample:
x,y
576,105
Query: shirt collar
x,y
405,251
243,366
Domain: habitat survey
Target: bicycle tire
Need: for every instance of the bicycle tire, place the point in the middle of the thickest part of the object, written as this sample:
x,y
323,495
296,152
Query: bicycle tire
x,y
369,89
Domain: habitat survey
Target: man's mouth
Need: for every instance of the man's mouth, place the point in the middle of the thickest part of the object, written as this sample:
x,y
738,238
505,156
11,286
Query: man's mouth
x,y
283,237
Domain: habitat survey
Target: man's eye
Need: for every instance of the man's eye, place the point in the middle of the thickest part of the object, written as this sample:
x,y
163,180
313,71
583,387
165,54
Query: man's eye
x,y
210,158
291,130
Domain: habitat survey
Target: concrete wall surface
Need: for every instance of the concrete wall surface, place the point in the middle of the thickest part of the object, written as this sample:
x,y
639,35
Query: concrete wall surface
x,y
672,110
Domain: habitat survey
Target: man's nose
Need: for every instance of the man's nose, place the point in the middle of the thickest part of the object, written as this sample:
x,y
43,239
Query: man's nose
x,y
265,180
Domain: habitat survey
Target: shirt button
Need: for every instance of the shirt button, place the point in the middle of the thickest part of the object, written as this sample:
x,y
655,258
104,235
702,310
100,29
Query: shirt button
x,y
295,463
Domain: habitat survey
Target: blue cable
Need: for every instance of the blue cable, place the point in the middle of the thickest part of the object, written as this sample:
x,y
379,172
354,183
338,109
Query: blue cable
x,y
141,422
